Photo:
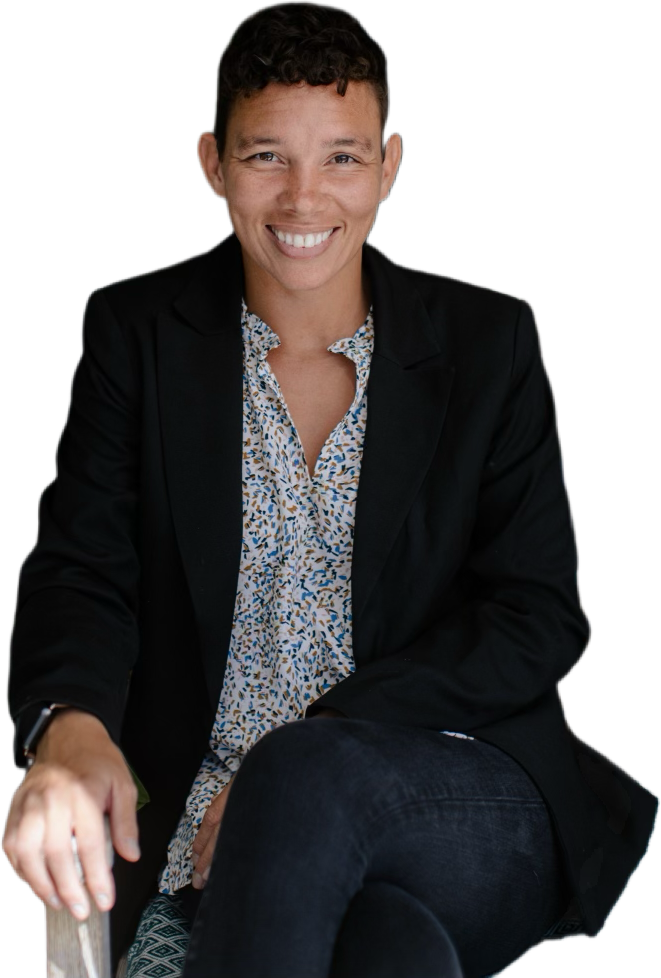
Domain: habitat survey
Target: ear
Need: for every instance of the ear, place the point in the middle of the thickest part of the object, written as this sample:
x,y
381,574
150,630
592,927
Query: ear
x,y
207,151
393,157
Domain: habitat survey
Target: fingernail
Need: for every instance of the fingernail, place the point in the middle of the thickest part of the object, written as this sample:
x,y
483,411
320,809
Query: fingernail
x,y
133,847
79,909
205,874
103,899
55,901
198,882
195,858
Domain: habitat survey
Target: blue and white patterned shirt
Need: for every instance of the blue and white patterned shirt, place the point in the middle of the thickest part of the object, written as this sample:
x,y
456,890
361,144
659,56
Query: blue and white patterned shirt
x,y
291,630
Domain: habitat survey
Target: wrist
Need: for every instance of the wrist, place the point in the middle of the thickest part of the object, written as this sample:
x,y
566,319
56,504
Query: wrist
x,y
70,723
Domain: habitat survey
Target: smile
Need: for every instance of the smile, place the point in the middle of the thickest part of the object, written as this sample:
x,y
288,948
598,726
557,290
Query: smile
x,y
301,245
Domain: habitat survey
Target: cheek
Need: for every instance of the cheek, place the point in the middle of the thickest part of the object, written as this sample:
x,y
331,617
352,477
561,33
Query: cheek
x,y
248,196
252,194
362,197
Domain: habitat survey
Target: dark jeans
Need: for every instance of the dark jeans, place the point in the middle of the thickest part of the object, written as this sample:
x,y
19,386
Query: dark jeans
x,y
355,849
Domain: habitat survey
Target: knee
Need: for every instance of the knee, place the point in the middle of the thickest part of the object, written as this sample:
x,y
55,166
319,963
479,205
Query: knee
x,y
299,749
318,764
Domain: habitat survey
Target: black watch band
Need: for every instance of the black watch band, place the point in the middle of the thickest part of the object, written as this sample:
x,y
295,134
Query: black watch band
x,y
44,718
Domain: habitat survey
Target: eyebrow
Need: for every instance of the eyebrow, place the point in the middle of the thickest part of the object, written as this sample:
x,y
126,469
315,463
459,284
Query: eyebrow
x,y
247,142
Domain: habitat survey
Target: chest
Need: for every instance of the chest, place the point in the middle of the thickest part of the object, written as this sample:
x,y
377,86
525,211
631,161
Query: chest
x,y
318,393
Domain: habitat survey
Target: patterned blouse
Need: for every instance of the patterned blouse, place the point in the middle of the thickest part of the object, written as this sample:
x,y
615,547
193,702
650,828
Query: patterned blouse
x,y
291,630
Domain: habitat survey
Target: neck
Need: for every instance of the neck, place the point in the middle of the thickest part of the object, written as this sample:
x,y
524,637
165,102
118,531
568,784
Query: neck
x,y
308,321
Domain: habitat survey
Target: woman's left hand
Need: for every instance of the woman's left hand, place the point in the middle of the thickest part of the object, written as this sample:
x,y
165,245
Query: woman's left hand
x,y
207,834
205,840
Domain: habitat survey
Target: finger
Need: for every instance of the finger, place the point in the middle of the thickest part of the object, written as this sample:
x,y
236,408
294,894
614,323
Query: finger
x,y
12,825
60,860
24,845
208,827
91,845
201,874
28,859
124,820
30,848
210,823
212,819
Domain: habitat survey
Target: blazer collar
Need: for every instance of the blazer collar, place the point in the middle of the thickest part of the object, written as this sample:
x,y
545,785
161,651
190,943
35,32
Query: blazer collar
x,y
200,385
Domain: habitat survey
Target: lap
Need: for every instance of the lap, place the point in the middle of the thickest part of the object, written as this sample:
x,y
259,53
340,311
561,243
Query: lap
x,y
456,823
381,763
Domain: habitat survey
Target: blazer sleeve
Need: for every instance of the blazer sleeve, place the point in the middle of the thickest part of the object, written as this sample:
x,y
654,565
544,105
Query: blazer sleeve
x,y
521,628
75,634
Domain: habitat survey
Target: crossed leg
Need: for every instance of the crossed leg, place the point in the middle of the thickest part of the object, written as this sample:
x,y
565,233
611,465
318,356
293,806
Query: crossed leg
x,y
382,925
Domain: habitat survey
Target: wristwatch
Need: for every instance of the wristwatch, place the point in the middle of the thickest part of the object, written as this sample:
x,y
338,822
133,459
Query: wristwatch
x,y
44,718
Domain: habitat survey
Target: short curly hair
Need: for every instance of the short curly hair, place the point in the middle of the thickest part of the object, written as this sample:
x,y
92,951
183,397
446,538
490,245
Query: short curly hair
x,y
293,42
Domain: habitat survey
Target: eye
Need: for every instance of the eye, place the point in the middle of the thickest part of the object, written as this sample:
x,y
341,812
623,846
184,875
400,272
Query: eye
x,y
337,156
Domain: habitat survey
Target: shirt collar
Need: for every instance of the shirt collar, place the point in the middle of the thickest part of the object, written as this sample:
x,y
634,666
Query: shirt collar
x,y
259,338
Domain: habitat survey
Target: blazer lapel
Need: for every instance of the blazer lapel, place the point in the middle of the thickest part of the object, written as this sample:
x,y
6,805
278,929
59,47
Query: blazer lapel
x,y
200,380
408,390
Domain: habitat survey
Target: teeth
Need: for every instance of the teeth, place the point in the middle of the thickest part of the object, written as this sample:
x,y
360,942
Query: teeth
x,y
299,241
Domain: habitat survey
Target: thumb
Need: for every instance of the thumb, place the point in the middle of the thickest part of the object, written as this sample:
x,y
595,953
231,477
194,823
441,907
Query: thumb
x,y
124,823
212,818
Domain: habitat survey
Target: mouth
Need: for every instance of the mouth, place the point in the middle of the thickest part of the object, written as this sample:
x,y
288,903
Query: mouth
x,y
299,245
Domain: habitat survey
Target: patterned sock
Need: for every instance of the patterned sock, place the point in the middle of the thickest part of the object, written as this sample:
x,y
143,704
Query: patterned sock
x,y
161,939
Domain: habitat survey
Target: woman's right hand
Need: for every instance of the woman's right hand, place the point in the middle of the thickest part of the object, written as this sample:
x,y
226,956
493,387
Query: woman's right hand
x,y
79,774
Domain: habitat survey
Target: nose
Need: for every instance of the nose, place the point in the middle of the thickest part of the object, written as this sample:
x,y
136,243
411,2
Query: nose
x,y
302,188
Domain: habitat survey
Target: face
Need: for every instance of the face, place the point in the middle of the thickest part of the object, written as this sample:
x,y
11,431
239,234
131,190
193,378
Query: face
x,y
304,161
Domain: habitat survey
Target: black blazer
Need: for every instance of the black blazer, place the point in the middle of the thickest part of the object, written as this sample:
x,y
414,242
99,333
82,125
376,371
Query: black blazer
x,y
466,612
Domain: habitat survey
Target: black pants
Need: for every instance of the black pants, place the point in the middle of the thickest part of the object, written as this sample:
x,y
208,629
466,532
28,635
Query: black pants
x,y
355,849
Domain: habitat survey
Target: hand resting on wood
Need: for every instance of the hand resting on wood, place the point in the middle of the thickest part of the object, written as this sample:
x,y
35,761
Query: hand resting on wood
x,y
79,774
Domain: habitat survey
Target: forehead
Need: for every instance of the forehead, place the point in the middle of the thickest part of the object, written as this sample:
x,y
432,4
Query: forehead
x,y
281,107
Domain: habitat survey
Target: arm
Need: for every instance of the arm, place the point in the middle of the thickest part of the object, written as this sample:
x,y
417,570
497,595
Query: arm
x,y
75,636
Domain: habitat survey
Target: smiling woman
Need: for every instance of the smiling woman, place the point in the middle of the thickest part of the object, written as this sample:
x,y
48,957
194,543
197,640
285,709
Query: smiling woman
x,y
313,90
303,190
300,481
